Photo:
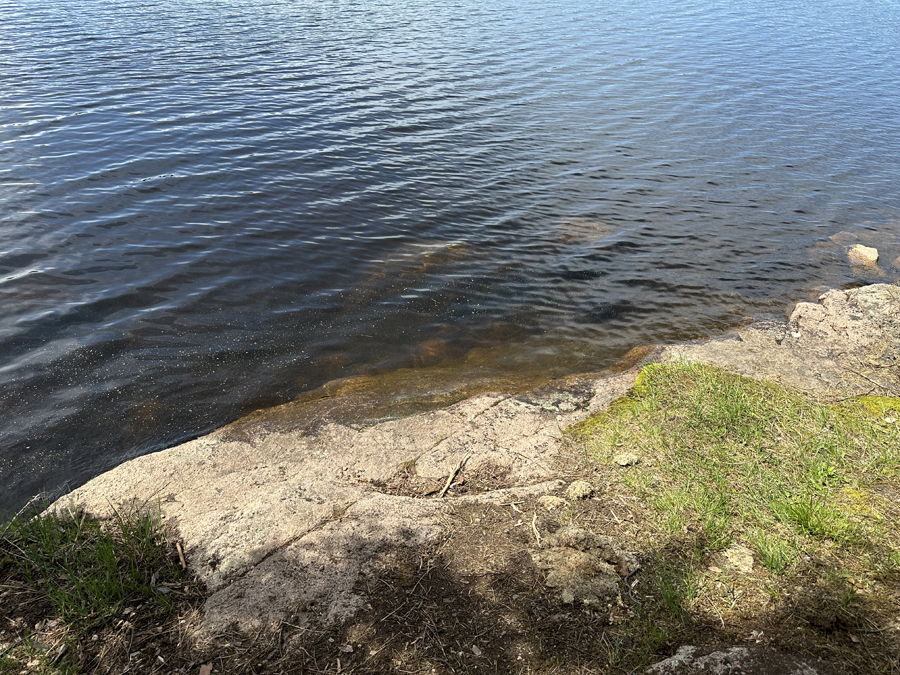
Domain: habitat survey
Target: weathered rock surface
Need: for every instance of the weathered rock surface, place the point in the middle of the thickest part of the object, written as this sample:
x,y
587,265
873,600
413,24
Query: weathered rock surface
x,y
735,661
848,343
626,458
551,502
276,521
738,558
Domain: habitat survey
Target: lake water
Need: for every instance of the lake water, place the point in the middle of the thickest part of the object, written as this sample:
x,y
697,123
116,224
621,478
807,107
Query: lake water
x,y
212,207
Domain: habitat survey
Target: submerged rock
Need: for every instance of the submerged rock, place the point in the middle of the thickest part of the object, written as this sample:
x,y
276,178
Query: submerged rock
x,y
863,255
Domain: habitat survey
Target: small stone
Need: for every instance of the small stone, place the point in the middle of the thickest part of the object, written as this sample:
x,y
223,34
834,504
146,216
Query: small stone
x,y
896,262
475,650
626,458
550,502
580,489
740,558
863,255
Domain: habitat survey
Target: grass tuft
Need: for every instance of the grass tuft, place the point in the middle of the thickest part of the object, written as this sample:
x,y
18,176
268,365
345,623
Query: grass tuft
x,y
89,569
773,552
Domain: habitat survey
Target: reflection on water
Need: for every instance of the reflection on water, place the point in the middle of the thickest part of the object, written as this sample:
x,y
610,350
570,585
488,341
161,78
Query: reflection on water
x,y
210,208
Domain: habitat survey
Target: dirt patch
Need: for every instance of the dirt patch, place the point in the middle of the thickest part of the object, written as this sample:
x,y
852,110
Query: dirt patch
x,y
468,481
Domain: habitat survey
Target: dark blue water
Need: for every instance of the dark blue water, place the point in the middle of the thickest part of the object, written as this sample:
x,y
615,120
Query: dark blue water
x,y
211,207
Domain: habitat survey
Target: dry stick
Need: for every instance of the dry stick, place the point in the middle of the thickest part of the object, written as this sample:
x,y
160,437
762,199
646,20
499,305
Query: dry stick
x,y
456,469
534,527
181,555
877,384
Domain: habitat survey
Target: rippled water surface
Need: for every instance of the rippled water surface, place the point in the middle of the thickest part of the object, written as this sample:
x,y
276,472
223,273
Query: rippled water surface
x,y
211,207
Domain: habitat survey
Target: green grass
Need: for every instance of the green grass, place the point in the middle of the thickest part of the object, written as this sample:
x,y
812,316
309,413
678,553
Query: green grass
x,y
808,486
774,552
732,454
8,665
89,569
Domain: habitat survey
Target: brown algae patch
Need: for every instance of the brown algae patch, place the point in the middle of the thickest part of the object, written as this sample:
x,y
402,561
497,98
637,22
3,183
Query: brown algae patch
x,y
407,391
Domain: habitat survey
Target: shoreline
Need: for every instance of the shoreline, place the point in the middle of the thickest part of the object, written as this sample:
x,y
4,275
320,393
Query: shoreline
x,y
491,525
253,498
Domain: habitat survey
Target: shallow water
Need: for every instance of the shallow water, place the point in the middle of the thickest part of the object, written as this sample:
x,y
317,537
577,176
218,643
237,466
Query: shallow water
x,y
208,208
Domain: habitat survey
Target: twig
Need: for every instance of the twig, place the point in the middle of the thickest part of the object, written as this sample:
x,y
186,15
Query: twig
x,y
456,470
59,653
534,527
181,555
390,614
876,383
